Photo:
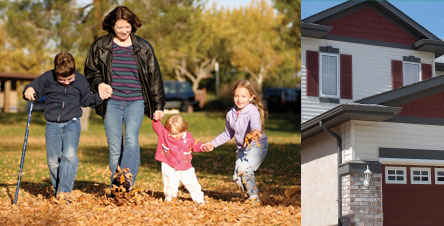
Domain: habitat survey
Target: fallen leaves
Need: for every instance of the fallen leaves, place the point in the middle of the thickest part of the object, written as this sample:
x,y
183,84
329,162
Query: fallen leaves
x,y
253,136
143,207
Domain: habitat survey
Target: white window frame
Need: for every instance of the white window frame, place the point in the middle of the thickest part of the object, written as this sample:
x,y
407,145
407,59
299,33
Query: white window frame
x,y
403,72
337,73
404,169
436,175
429,176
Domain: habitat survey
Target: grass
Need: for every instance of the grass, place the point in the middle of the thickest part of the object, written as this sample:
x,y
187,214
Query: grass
x,y
280,170
281,166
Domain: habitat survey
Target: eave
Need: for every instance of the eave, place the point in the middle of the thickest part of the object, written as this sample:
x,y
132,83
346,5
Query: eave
x,y
347,112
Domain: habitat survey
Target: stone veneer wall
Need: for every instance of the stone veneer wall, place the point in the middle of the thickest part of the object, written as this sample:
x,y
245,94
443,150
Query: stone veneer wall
x,y
361,205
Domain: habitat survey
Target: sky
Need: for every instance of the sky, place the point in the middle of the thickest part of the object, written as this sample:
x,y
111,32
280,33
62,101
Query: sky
x,y
428,14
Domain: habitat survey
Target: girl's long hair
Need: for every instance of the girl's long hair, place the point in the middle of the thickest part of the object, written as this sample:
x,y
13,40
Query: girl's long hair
x,y
257,101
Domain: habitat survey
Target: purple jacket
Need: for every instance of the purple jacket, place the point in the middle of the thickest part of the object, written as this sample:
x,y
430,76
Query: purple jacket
x,y
238,126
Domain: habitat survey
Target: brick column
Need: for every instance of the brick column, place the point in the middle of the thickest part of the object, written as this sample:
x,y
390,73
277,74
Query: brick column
x,y
361,205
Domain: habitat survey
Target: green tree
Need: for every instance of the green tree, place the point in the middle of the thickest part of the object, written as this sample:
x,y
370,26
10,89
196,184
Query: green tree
x,y
290,31
257,46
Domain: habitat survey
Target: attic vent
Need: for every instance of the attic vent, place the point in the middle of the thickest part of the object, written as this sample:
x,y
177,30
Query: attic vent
x,y
411,59
328,49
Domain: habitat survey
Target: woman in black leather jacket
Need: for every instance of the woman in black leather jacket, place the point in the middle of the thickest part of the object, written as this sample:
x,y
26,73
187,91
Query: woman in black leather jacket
x,y
123,67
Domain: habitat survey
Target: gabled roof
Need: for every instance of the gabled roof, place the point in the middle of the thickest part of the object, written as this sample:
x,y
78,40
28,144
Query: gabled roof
x,y
386,6
315,26
379,107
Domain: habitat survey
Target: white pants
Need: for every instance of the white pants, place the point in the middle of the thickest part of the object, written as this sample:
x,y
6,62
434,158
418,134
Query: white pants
x,y
171,179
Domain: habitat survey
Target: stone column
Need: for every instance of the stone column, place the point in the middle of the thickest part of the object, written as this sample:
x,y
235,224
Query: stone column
x,y
361,205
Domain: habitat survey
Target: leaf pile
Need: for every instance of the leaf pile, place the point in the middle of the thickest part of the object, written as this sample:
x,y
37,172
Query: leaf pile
x,y
142,207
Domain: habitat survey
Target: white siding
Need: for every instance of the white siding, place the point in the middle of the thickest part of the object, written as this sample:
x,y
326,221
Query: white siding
x,y
370,136
371,68
347,141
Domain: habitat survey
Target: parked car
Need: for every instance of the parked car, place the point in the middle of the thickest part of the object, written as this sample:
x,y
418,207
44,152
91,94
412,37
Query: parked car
x,y
179,95
282,99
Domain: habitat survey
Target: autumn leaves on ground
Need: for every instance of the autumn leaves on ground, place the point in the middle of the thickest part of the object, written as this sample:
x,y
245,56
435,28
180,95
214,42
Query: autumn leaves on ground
x,y
278,179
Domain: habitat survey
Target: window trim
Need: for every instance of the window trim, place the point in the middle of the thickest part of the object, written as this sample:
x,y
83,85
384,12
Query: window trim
x,y
429,176
436,175
403,71
338,82
404,169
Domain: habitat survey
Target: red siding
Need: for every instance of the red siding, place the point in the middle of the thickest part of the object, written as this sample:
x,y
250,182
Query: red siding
x,y
367,23
426,70
346,77
396,74
431,107
312,73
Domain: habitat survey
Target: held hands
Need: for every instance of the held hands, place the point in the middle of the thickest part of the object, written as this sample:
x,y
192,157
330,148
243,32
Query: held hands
x,y
29,94
158,115
105,91
208,147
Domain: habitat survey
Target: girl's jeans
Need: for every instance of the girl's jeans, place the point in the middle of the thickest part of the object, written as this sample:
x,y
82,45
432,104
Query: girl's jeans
x,y
127,154
247,162
62,142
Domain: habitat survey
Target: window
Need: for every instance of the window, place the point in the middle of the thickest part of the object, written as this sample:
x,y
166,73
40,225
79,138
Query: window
x,y
411,73
439,175
395,175
420,176
329,75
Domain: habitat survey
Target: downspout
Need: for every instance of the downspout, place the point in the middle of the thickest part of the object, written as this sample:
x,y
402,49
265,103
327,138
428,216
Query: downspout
x,y
339,143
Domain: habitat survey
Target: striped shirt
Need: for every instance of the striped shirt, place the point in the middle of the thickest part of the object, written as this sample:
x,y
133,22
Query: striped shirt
x,y
125,75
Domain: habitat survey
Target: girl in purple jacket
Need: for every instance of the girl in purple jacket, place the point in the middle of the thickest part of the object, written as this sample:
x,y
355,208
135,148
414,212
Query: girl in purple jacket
x,y
246,117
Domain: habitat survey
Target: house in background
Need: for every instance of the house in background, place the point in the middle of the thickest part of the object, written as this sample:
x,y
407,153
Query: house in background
x,y
371,99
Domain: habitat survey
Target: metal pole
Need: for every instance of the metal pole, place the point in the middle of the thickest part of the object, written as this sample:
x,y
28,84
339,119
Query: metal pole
x,y
23,151
216,67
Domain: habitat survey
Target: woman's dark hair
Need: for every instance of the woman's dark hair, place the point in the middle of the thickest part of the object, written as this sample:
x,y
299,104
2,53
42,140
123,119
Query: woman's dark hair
x,y
120,13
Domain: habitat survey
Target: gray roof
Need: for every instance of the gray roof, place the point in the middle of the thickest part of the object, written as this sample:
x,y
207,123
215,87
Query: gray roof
x,y
346,112
407,93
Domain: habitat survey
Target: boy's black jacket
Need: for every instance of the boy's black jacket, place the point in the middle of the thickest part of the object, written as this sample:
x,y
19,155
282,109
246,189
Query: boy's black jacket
x,y
63,103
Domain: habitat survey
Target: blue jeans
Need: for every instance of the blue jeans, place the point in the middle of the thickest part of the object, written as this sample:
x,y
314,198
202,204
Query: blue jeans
x,y
126,154
62,142
247,162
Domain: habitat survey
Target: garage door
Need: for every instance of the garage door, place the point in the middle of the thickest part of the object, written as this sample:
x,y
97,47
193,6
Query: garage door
x,y
413,195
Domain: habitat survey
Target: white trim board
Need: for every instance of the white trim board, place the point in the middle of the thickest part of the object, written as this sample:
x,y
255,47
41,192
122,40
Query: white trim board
x,y
434,162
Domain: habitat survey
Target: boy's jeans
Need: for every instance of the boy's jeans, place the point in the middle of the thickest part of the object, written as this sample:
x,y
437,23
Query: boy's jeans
x,y
247,162
62,142
130,114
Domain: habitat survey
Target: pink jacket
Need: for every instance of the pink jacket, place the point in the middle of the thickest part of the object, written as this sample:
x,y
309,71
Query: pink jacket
x,y
175,152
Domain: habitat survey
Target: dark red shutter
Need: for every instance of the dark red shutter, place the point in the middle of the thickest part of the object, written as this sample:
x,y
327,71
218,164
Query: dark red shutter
x,y
346,77
312,73
426,70
396,74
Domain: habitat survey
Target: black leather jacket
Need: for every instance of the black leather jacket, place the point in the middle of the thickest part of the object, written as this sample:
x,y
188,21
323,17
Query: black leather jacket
x,y
98,70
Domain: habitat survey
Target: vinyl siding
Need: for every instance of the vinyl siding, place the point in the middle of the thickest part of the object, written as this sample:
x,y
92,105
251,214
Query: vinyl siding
x,y
370,136
371,70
